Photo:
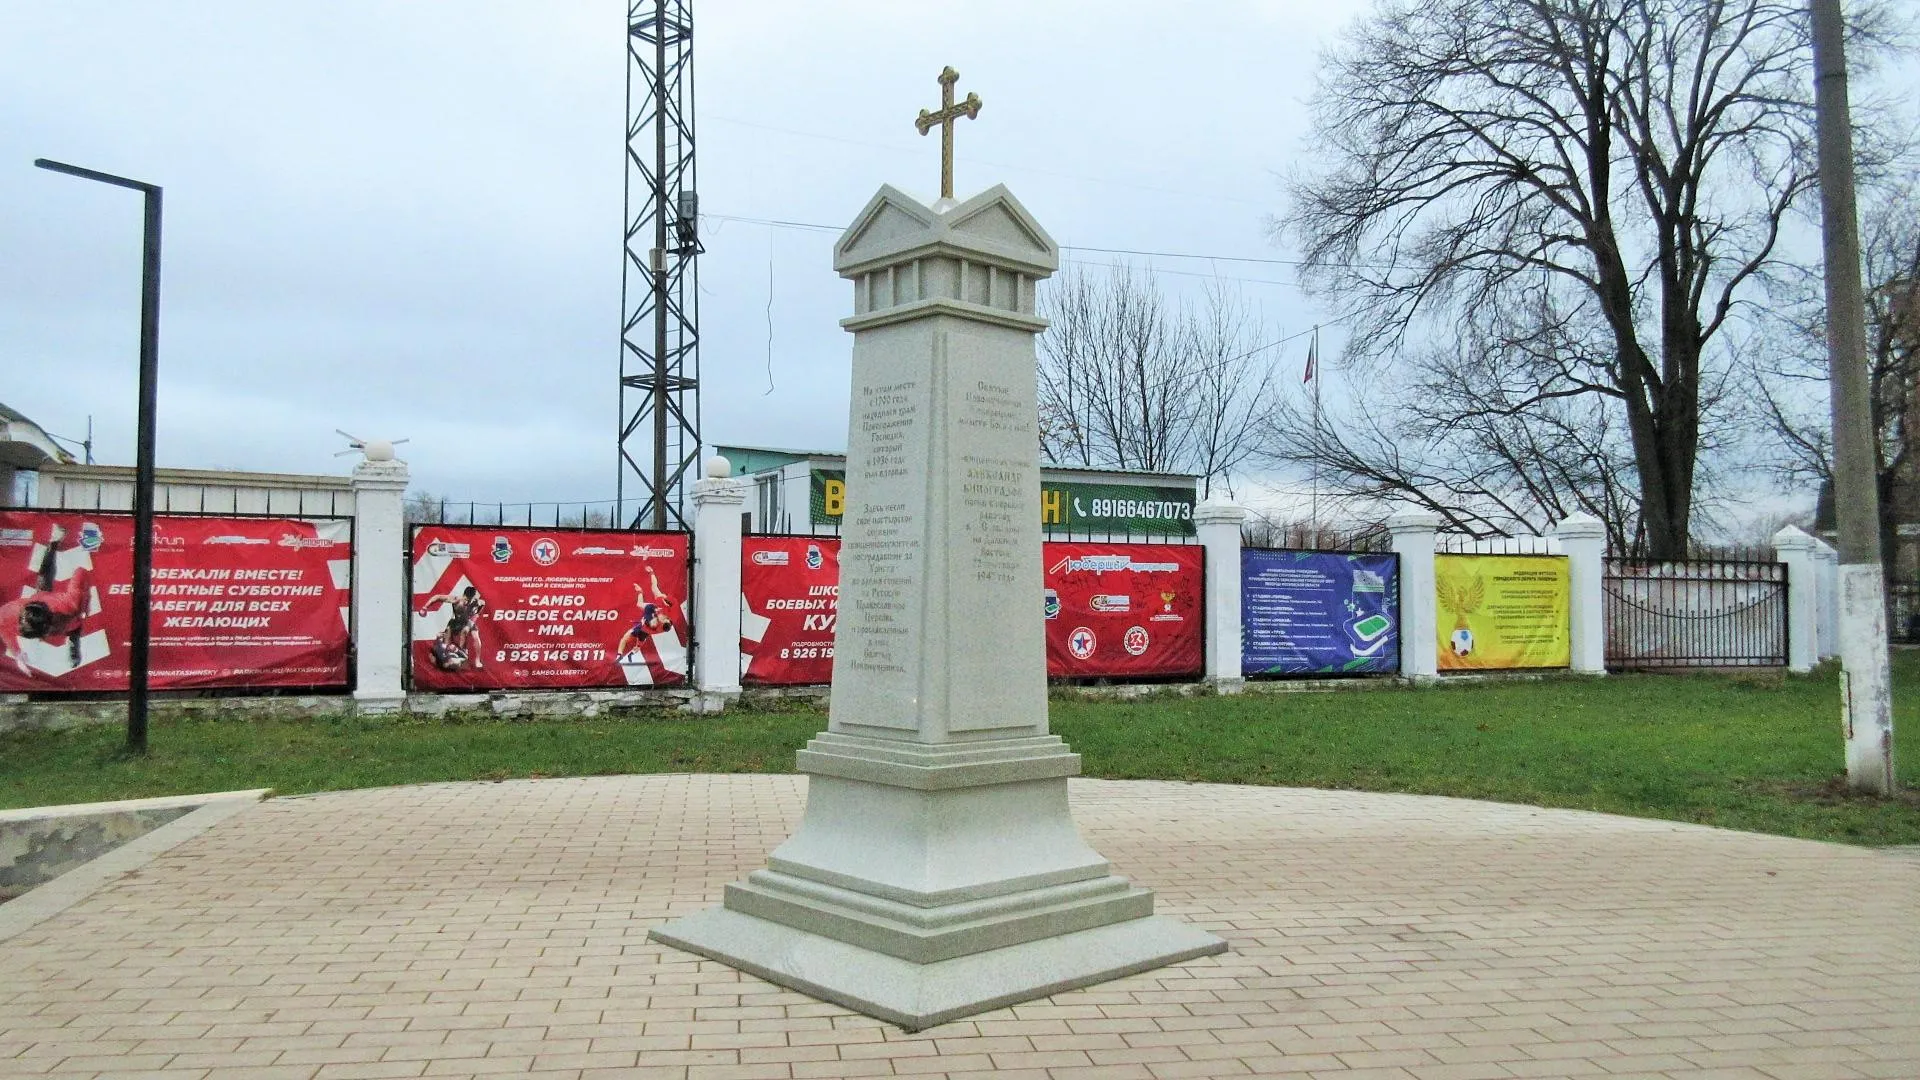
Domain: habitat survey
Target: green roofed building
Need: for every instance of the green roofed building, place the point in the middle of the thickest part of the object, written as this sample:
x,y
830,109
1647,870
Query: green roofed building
x,y
805,491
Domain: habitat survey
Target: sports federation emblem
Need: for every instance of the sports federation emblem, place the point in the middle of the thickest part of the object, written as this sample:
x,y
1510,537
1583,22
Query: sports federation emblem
x,y
1167,597
502,549
1053,604
1136,640
1081,642
813,557
545,551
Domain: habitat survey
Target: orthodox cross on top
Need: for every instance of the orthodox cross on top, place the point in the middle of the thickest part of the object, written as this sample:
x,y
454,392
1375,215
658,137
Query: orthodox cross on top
x,y
949,112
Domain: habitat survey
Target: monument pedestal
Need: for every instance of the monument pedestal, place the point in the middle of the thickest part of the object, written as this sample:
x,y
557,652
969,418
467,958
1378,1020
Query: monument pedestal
x,y
926,884
937,872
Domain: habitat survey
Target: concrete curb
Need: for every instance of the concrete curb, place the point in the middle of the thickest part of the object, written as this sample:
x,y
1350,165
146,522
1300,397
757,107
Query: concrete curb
x,y
56,896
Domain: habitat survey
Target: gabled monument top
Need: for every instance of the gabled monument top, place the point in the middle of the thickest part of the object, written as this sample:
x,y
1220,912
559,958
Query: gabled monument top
x,y
991,227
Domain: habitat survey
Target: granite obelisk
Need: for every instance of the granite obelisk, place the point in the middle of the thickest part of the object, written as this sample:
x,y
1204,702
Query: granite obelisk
x,y
937,871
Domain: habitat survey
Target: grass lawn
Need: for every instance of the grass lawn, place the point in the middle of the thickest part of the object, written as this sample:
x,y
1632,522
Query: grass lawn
x,y
1760,753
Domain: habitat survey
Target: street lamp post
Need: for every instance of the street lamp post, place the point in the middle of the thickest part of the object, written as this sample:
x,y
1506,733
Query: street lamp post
x,y
137,651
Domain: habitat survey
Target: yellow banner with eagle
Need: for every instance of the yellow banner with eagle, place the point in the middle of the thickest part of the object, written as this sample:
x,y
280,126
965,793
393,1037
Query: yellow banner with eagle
x,y
1502,611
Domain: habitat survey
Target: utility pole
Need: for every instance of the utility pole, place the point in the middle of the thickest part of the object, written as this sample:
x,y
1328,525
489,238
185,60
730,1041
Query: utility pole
x,y
659,438
1866,688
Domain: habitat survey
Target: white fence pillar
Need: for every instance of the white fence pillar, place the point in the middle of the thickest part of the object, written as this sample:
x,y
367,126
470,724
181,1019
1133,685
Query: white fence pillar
x,y
1217,524
717,505
1796,549
1827,568
380,606
1584,539
1412,532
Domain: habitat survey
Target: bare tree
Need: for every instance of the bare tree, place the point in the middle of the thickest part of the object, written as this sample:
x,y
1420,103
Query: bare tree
x,y
1619,169
1233,389
1129,381
423,508
1114,374
1265,529
1466,437
1791,385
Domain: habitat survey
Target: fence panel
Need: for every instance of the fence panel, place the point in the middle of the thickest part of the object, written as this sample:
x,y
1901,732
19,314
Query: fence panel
x,y
1903,612
790,609
512,608
240,602
1503,612
1702,613
1112,610
1319,613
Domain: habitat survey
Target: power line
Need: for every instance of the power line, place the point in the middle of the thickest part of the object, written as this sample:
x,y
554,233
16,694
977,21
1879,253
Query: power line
x,y
1335,321
814,227
1210,276
903,149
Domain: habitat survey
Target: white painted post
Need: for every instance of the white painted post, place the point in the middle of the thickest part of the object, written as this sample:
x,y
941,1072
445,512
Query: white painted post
x,y
1412,532
1795,548
380,607
1584,539
717,503
1827,567
1217,524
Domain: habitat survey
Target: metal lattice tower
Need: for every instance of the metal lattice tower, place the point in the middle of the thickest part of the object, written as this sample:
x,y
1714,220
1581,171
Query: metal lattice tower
x,y
659,289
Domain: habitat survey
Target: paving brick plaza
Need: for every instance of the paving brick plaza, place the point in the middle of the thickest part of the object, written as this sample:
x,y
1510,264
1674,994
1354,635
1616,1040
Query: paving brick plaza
x,y
501,928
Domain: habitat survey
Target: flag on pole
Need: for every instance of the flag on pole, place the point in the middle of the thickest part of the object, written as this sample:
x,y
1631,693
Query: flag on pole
x,y
1313,356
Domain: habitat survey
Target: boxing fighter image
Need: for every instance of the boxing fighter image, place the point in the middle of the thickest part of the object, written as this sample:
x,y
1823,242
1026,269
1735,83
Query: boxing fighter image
x,y
458,646
654,619
53,612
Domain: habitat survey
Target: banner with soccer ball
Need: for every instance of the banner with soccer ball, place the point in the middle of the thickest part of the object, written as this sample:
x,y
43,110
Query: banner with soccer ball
x,y
507,608
237,602
1123,610
1500,612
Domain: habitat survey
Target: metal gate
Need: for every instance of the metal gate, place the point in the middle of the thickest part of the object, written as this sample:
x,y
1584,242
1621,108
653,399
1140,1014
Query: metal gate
x,y
1698,613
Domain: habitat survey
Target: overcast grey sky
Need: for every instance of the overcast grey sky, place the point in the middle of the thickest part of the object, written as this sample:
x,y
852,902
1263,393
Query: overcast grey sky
x,y
404,219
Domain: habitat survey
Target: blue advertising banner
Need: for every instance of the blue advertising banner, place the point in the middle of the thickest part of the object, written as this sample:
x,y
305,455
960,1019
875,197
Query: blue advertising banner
x,y
1318,612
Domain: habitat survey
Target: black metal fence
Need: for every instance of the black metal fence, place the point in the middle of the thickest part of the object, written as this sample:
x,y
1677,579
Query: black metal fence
x,y
1696,613
1459,543
1360,538
1903,612
423,509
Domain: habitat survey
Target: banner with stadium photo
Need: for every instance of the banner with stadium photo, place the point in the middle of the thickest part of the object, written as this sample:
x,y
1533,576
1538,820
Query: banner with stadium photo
x,y
237,602
1319,613
498,608
1123,610
790,602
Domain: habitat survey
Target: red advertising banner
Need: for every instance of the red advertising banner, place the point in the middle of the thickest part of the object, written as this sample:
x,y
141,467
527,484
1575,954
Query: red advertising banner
x,y
521,609
1112,610
1122,610
790,601
237,602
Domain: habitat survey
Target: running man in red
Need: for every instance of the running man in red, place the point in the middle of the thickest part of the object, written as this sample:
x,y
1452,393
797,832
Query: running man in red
x,y
654,619
53,612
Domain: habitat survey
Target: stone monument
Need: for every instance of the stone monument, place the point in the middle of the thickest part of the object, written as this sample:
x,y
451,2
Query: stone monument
x,y
937,871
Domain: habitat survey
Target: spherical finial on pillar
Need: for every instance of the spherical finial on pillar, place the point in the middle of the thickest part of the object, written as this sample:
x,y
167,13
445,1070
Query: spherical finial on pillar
x,y
377,450
719,468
